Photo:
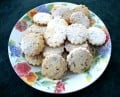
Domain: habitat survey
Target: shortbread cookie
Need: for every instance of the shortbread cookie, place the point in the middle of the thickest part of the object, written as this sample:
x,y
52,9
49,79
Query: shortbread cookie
x,y
54,66
62,11
69,47
37,29
81,8
76,33
79,60
32,44
34,60
55,33
96,36
49,50
42,18
79,17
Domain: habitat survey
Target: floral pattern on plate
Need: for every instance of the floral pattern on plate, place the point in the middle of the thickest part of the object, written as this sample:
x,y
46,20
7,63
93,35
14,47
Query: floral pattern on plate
x,y
69,83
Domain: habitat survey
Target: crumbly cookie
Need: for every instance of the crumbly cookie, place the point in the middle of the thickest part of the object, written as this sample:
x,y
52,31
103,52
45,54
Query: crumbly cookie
x,y
69,47
81,8
62,11
76,33
36,29
42,18
49,50
79,60
55,33
32,44
80,18
54,66
96,36
34,60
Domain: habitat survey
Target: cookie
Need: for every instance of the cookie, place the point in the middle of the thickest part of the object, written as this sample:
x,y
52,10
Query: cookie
x,y
69,47
96,36
49,50
42,18
54,66
32,44
55,33
37,29
34,60
81,8
62,11
79,60
76,33
80,18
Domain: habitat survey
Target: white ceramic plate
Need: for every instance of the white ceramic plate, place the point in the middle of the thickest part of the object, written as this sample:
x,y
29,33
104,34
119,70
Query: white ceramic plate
x,y
71,82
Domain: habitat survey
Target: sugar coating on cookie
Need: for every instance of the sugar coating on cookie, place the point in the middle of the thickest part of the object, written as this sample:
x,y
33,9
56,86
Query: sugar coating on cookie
x,y
76,33
32,44
36,29
62,11
82,8
49,50
79,17
42,18
79,60
55,33
34,60
96,36
69,47
54,66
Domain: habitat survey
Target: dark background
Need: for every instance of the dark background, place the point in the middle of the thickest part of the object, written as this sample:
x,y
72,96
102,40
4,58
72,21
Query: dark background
x,y
108,85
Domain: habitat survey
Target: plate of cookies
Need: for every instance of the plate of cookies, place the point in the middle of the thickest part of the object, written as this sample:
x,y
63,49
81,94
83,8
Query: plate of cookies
x,y
59,47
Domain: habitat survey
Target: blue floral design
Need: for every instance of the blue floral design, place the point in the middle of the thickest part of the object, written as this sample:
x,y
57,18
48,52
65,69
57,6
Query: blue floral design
x,y
43,8
15,51
104,49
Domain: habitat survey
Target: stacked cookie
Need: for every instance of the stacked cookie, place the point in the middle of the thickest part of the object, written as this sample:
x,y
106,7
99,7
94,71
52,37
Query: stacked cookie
x,y
61,41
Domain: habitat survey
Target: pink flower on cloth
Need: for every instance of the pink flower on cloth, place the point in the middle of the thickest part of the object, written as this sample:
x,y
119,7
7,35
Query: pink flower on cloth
x,y
59,87
22,69
21,26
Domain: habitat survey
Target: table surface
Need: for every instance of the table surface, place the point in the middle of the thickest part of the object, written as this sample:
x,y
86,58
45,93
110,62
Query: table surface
x,y
108,85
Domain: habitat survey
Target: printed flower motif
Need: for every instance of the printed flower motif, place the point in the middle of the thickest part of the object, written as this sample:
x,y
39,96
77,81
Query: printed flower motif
x,y
107,34
59,87
104,49
30,78
22,69
21,26
15,51
43,8
32,12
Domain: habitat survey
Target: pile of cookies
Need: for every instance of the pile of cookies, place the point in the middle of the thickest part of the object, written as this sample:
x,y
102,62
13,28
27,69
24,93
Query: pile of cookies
x,y
62,40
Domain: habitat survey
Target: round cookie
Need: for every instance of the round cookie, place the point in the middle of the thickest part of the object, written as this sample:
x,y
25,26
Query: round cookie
x,y
34,60
79,60
55,33
42,18
54,66
49,50
96,36
80,18
36,29
76,33
69,47
32,44
62,11
81,8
